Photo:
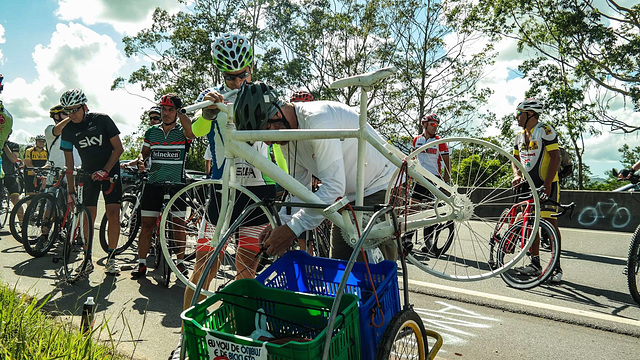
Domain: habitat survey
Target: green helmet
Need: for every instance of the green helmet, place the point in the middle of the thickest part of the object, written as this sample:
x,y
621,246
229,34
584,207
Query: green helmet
x,y
255,104
231,52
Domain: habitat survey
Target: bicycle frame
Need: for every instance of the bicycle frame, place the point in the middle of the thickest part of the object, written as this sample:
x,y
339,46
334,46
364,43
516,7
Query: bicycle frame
x,y
457,205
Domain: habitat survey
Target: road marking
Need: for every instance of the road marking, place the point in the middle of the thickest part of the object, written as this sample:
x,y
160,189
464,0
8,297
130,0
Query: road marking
x,y
620,233
562,309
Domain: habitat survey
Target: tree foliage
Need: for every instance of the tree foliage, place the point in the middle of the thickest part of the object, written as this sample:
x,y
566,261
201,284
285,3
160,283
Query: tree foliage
x,y
599,46
308,44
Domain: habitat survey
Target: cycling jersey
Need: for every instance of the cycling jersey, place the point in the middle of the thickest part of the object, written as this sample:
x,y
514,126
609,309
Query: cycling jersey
x,y
92,138
6,123
246,174
38,157
535,155
168,154
8,167
56,155
430,158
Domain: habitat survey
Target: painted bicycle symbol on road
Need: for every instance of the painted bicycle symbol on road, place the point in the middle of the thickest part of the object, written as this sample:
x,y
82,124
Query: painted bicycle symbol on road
x,y
620,216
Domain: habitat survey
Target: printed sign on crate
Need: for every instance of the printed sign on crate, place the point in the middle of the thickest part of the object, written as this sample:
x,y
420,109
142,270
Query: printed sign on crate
x,y
226,350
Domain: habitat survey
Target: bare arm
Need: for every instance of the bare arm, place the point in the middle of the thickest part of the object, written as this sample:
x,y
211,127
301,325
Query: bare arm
x,y
57,130
447,167
12,156
68,160
115,154
186,126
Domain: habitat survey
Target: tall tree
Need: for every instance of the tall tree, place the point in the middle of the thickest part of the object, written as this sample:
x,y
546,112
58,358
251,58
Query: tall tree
x,y
600,45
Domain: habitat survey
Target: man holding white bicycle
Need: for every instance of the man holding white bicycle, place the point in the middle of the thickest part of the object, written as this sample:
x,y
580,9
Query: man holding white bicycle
x,y
334,161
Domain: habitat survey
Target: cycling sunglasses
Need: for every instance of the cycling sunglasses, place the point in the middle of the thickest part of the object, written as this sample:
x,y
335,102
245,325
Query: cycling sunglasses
x,y
72,111
232,77
155,118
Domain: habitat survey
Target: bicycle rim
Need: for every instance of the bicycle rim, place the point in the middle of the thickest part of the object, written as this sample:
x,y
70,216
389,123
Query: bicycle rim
x,y
77,247
633,266
40,225
404,338
5,208
200,224
479,188
15,225
549,254
129,225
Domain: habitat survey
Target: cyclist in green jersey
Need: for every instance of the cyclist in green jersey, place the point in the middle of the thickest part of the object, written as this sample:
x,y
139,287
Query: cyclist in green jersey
x,y
167,144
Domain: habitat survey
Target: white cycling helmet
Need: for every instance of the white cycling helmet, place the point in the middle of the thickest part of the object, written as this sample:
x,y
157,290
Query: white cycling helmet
x,y
231,52
73,97
532,104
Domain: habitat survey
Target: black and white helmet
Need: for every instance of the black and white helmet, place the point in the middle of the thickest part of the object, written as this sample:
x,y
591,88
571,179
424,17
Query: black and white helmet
x,y
231,52
531,104
73,97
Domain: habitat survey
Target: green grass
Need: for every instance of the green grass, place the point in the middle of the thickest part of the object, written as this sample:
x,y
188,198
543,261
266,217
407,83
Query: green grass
x,y
29,332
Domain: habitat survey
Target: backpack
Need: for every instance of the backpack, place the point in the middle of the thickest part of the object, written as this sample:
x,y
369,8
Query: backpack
x,y
566,164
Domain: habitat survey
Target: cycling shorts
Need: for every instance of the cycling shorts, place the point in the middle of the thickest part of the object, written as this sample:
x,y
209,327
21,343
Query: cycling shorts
x,y
92,190
546,208
12,185
153,197
33,185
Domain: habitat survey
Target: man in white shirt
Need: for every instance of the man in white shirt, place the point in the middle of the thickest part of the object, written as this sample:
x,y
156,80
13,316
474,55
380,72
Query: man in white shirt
x,y
334,161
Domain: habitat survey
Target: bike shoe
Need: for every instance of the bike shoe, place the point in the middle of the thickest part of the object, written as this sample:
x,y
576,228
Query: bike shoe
x,y
175,354
556,277
88,268
112,267
529,270
139,271
183,269
42,240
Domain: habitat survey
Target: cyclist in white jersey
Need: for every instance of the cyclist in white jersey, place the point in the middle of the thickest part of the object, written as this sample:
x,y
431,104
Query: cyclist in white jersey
x,y
333,161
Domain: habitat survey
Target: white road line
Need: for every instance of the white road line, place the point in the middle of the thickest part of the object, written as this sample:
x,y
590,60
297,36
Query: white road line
x,y
621,233
561,309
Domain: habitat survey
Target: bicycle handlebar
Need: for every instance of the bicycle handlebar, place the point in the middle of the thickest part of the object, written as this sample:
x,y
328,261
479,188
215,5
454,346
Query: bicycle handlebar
x,y
204,104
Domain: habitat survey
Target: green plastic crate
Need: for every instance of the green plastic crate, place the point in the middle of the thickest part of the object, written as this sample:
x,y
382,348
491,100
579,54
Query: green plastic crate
x,y
229,315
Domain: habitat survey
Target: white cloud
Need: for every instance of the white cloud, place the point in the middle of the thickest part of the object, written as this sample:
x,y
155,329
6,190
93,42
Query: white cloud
x,y
125,16
76,57
2,41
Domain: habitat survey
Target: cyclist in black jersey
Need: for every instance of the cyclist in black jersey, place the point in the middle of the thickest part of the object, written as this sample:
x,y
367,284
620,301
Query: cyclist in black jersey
x,y
10,160
97,139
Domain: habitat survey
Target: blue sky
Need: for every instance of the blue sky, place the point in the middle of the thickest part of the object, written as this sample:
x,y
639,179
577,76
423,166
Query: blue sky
x,y
49,46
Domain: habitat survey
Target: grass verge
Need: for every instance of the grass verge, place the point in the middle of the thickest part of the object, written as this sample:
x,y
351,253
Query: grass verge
x,y
28,332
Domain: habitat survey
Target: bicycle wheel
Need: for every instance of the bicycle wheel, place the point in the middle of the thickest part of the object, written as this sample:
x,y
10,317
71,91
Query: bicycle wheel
x,y
621,218
15,224
203,205
479,188
439,238
588,216
404,338
507,218
549,254
77,247
5,207
129,225
633,266
40,225
319,243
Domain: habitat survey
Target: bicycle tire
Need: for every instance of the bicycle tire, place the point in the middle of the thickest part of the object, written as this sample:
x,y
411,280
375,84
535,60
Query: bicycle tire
x,y
129,225
619,221
404,338
166,270
198,195
548,257
319,240
633,266
434,245
588,216
15,226
5,207
480,182
42,213
75,258
499,231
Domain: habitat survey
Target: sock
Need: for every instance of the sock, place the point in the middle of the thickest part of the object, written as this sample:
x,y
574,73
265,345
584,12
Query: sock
x,y
142,261
111,254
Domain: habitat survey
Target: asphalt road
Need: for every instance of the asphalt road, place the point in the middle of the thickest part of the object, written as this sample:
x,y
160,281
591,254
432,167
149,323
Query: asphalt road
x,y
589,315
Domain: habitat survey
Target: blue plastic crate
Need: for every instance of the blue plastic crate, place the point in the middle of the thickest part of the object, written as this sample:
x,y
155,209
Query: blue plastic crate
x,y
298,271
